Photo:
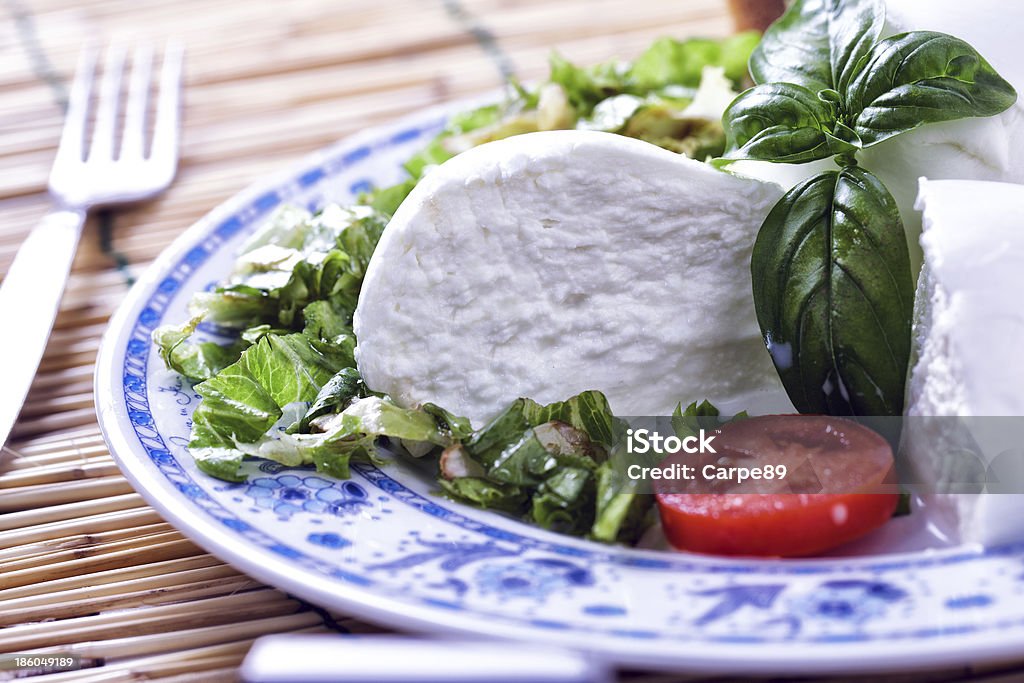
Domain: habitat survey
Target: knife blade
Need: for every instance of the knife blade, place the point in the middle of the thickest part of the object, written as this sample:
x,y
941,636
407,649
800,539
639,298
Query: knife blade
x,y
29,298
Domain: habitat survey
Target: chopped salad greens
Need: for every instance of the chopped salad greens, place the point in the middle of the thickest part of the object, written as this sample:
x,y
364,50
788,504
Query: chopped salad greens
x,y
672,95
287,388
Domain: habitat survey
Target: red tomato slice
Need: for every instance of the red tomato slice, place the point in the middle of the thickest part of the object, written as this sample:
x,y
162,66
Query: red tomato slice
x,y
837,488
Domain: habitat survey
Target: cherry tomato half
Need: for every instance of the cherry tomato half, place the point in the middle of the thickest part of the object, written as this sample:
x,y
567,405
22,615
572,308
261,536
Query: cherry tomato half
x,y
837,488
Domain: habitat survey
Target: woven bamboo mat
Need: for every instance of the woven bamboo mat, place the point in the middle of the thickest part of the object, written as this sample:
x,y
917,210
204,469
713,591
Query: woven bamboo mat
x,y
85,565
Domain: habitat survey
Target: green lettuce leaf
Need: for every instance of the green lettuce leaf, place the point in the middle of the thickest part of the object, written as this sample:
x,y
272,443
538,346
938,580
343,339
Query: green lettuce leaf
x,y
234,307
680,62
378,416
254,334
564,502
334,276
339,392
486,494
667,63
439,149
285,228
696,416
244,400
611,114
294,367
603,97
235,407
540,452
621,513
196,361
328,322
588,412
546,454
351,433
587,86
299,272
454,427
386,200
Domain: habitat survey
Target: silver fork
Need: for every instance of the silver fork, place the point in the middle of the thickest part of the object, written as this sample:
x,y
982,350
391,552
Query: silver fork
x,y
79,181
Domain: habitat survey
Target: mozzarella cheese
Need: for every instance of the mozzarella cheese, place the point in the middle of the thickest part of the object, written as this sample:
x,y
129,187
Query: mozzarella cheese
x,y
551,263
968,149
971,300
968,336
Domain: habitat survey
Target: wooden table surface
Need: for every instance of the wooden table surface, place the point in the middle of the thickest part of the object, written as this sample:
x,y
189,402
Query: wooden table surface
x,y
85,565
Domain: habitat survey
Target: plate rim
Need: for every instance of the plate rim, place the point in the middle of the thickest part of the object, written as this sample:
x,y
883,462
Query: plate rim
x,y
382,609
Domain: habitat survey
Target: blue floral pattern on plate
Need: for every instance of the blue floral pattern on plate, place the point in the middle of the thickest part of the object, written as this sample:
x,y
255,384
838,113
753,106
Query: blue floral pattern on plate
x,y
535,579
383,544
289,494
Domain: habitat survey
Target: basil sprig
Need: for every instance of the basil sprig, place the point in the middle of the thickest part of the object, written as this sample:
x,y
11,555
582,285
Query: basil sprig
x,y
832,281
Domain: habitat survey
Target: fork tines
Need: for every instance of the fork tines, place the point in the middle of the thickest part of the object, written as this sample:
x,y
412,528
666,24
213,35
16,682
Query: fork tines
x,y
127,154
107,112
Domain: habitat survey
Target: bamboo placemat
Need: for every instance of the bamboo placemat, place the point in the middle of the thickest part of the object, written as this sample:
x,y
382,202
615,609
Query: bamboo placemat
x,y
85,565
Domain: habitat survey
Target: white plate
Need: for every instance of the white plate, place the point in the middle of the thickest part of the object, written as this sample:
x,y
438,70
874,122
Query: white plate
x,y
384,548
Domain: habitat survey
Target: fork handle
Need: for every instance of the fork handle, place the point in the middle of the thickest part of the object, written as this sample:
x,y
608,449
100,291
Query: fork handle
x,y
29,297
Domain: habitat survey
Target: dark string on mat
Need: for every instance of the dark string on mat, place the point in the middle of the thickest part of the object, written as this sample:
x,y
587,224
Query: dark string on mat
x,y
44,70
484,37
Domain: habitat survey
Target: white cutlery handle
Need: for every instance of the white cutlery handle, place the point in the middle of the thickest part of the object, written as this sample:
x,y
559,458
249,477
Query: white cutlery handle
x,y
29,297
292,658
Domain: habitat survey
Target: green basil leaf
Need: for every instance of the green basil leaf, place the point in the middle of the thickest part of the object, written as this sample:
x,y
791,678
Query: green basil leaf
x,y
833,294
923,77
777,122
853,28
795,49
818,44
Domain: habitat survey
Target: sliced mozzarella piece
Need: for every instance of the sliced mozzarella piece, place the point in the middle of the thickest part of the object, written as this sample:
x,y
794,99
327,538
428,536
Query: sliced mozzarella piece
x,y
551,263
971,300
968,337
